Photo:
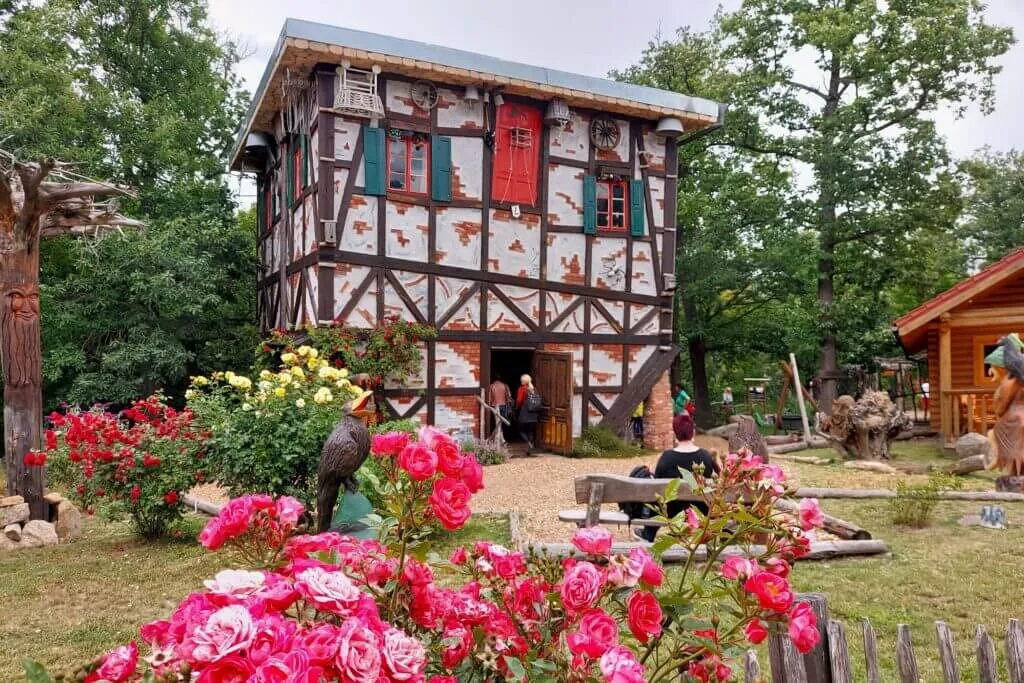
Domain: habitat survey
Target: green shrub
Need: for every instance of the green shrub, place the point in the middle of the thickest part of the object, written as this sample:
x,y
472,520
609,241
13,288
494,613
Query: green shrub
x,y
914,503
602,442
486,453
409,426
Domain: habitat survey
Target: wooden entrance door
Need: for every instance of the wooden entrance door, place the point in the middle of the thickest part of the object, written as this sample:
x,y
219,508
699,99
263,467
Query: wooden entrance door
x,y
552,376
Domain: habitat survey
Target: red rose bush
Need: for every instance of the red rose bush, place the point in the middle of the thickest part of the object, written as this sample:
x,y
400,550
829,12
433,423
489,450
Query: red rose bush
x,y
139,461
329,607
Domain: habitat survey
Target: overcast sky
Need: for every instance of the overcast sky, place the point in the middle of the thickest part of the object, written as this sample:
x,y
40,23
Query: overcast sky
x,y
583,36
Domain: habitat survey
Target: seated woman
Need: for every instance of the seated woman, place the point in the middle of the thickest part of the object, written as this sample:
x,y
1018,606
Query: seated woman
x,y
686,455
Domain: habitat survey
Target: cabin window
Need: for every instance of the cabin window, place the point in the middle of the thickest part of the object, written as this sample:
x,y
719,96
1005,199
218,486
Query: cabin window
x,y
983,346
612,205
408,159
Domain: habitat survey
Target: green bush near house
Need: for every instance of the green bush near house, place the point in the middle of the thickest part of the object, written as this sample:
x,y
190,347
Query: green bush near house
x,y
486,453
602,442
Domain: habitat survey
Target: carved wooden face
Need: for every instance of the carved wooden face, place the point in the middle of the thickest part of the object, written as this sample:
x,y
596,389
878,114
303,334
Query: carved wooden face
x,y
24,304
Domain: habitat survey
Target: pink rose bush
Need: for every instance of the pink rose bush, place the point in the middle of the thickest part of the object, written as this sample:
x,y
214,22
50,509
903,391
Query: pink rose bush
x,y
327,607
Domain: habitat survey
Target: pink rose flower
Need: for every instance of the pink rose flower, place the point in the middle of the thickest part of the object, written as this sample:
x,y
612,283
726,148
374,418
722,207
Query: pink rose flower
x,y
619,665
692,520
227,631
755,632
289,511
328,591
450,503
118,666
358,658
320,643
390,444
230,585
419,461
772,592
593,541
458,641
472,473
581,586
777,566
449,457
738,568
803,627
230,669
273,636
810,514
624,571
458,556
644,615
405,658
653,575
596,634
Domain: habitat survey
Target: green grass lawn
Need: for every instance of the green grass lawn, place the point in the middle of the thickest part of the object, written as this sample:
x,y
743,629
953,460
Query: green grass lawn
x,y
66,604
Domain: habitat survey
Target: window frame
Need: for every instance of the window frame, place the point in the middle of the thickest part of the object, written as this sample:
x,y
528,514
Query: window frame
x,y
611,183
297,187
409,139
979,342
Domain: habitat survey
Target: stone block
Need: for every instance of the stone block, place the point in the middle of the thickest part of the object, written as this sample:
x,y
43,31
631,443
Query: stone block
x,y
8,544
69,521
972,444
53,498
37,534
13,532
13,514
8,501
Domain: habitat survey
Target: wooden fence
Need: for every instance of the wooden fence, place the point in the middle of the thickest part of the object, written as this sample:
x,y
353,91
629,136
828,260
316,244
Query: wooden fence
x,y
829,662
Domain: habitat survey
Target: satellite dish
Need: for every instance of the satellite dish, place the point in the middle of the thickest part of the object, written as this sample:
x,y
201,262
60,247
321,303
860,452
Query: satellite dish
x,y
424,95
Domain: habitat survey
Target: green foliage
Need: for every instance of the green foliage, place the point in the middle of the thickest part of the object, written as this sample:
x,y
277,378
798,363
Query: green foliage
x,y
914,503
266,434
995,203
602,442
409,426
486,452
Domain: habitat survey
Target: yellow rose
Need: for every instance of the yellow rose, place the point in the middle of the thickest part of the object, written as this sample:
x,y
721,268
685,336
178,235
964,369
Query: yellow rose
x,y
300,403
343,373
304,350
229,376
246,407
288,358
279,392
323,395
200,381
312,364
284,378
297,371
264,385
326,373
189,393
266,374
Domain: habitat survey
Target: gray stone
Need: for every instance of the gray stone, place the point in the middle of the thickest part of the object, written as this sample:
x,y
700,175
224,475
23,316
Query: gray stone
x,y
69,521
52,497
1010,484
38,533
725,431
13,532
970,520
13,514
8,501
8,544
972,444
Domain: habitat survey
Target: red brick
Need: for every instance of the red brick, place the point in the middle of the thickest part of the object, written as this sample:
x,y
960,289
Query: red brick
x,y
658,416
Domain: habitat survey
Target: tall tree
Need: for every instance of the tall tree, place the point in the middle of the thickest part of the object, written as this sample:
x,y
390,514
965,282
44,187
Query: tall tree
x,y
995,204
843,91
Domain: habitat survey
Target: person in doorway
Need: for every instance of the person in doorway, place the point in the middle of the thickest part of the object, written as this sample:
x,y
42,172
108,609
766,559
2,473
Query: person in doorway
x,y
499,397
527,418
638,423
686,455
680,401
924,395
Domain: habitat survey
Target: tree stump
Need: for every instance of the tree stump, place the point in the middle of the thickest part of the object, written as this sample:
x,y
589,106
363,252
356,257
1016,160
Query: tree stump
x,y
863,429
1008,483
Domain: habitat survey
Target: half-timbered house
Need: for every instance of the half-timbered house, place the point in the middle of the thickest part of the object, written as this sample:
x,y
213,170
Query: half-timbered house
x,y
527,214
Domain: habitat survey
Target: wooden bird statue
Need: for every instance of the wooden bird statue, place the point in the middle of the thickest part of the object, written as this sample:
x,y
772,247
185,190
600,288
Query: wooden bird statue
x,y
343,454
1007,434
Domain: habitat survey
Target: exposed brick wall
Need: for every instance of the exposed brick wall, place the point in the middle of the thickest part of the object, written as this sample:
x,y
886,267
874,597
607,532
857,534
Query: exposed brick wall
x,y
459,416
658,416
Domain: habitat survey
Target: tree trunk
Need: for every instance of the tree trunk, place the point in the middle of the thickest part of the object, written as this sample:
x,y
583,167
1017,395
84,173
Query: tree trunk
x,y
20,350
701,398
829,366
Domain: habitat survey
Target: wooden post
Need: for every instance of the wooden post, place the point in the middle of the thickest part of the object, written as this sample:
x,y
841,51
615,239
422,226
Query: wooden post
x,y
816,662
751,669
839,655
1015,651
870,651
987,669
800,400
945,380
905,659
947,652
594,505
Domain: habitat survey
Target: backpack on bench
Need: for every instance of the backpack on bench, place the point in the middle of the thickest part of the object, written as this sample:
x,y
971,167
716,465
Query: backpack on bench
x,y
638,510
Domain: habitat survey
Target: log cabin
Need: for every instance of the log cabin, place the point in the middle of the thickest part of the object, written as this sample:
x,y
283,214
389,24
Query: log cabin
x,y
526,214
956,330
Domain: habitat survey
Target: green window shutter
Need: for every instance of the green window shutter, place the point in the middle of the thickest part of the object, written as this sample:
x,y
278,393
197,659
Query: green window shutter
x,y
589,205
374,167
261,211
305,160
274,201
440,168
637,207
289,196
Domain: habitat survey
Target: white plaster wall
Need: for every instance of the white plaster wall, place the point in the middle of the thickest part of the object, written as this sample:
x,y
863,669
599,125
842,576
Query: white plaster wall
x,y
455,366
556,303
458,237
565,195
359,234
416,286
398,100
309,220
407,229
617,309
312,299
467,316
657,190
500,318
455,112
636,314
347,279
606,398
514,245
605,364
346,133
636,357
567,258
577,415
573,140
452,419
654,145
609,259
572,323
621,151
340,180
467,168
447,291
525,299
314,156
393,303
643,270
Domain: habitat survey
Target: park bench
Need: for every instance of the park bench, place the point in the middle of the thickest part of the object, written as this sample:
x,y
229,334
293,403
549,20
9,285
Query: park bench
x,y
597,489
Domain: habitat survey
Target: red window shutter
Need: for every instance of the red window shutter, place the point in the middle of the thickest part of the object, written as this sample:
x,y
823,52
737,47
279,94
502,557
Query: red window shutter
x,y
517,153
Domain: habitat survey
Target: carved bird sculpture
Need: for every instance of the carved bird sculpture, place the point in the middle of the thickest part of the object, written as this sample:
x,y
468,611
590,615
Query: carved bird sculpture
x,y
343,454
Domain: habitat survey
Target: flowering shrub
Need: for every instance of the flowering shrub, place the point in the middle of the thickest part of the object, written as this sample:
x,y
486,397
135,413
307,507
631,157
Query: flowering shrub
x,y
266,433
330,607
138,462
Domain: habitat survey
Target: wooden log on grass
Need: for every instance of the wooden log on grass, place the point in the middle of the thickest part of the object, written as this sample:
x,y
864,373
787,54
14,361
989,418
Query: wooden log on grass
x,y
798,446
870,466
200,505
835,526
804,459
820,550
867,494
972,463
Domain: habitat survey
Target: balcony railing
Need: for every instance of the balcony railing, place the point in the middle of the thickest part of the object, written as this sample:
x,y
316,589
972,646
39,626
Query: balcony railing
x,y
967,410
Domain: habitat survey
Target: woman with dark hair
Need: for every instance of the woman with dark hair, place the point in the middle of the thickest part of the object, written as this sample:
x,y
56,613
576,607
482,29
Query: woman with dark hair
x,y
685,455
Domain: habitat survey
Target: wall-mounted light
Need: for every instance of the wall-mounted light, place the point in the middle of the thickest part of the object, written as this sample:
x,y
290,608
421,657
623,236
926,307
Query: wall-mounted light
x,y
472,94
498,99
669,127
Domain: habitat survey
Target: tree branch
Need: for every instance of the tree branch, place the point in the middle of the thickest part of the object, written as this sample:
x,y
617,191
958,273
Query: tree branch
x,y
807,88
6,195
32,176
897,118
54,193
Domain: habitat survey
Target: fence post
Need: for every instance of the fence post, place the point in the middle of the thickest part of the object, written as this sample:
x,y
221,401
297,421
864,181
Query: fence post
x,y
987,669
817,663
839,656
1015,651
905,658
870,651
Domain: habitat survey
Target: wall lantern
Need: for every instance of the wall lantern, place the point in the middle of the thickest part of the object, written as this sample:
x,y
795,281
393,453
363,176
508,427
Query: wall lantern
x,y
669,127
472,94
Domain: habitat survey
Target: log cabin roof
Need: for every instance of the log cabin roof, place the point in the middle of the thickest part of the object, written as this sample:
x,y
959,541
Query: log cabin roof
x,y
303,44
911,328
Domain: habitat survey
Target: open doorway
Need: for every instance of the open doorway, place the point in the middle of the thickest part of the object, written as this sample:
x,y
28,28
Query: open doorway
x,y
509,364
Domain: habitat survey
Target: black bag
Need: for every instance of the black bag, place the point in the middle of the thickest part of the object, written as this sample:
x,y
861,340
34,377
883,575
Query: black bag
x,y
534,402
638,510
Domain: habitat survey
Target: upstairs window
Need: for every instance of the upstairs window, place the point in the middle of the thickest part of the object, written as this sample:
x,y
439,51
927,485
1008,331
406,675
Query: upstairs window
x,y
612,205
408,160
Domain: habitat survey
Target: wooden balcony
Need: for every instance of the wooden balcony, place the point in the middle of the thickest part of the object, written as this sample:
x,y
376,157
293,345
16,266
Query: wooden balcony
x,y
966,410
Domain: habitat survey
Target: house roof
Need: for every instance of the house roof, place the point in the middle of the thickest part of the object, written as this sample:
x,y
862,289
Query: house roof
x,y
303,44
910,326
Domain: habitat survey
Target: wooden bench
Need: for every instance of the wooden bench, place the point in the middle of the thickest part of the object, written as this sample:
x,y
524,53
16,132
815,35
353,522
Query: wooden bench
x,y
593,490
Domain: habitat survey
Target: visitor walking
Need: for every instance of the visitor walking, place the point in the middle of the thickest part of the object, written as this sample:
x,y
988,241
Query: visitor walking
x,y
499,397
681,399
727,400
638,424
528,406
686,455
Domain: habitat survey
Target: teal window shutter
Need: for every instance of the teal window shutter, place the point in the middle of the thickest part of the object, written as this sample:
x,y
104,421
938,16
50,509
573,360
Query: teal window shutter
x,y
374,167
440,168
589,205
305,160
637,207
289,196
261,211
